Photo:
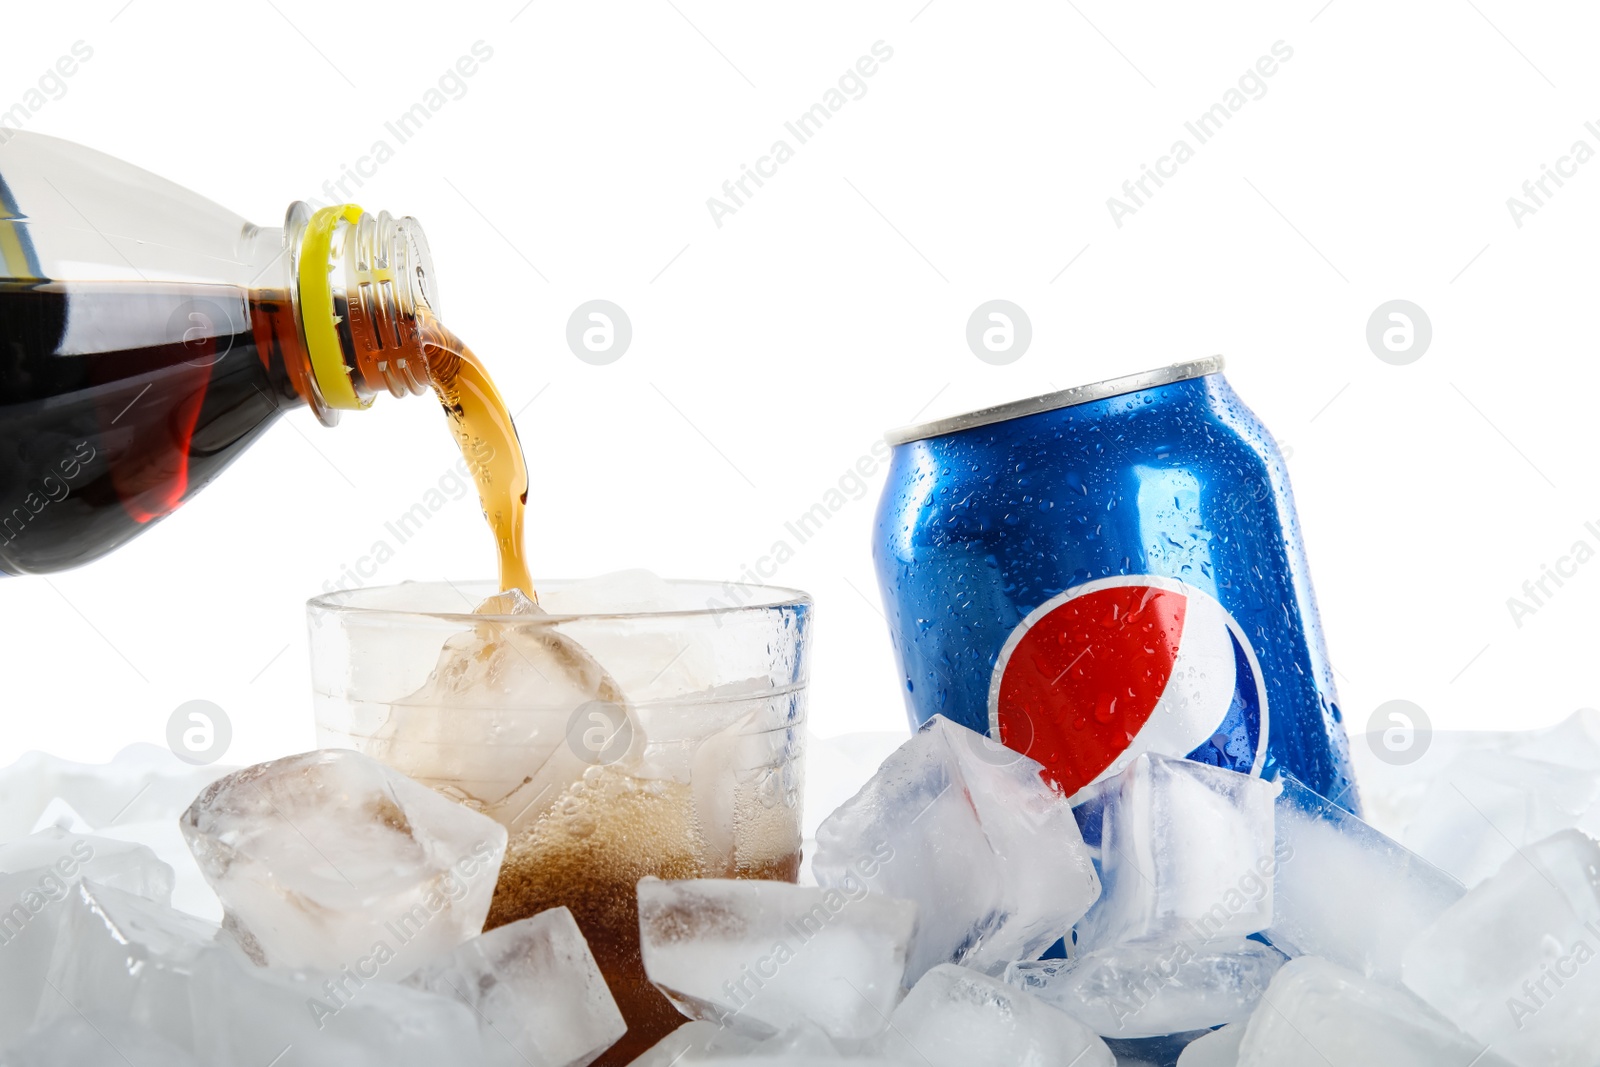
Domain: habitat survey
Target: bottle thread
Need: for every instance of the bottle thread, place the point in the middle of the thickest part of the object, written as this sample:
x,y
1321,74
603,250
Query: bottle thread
x,y
362,285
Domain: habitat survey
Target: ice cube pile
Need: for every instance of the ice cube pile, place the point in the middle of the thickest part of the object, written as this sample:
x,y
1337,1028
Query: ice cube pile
x,y
960,912
1209,918
352,905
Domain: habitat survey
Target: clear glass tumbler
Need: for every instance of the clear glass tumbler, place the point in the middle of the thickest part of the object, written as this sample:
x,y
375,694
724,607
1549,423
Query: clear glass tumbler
x,y
629,727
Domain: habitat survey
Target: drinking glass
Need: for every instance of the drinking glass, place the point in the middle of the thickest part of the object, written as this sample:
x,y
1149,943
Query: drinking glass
x,y
618,733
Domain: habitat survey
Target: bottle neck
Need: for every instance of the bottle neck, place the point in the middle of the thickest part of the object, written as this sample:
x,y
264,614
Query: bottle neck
x,y
361,286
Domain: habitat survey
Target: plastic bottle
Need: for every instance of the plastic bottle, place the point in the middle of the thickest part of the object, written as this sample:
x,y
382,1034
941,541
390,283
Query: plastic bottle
x,y
148,336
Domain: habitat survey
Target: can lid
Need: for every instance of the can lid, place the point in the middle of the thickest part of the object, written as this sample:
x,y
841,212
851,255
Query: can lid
x,y
1065,398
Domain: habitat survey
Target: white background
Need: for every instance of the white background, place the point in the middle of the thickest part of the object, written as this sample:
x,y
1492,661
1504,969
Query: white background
x,y
771,352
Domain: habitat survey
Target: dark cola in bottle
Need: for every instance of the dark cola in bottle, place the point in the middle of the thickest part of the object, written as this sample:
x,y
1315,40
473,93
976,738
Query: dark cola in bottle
x,y
149,336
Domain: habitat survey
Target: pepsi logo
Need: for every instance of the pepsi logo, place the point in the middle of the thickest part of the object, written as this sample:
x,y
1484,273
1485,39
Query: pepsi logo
x,y
1120,666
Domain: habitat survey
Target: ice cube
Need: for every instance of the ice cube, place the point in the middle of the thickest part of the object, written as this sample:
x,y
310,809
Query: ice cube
x,y
121,956
1573,742
1513,961
642,658
351,1017
149,788
60,815
94,1041
1153,988
54,855
493,725
328,857
142,783
1392,792
837,768
694,701
969,830
624,592
136,797
509,602
956,1017
1186,850
1488,804
535,989
637,659
190,891
1345,892
801,1040
760,956
761,1058
37,875
1317,1013
697,1041
1219,1048
700,1041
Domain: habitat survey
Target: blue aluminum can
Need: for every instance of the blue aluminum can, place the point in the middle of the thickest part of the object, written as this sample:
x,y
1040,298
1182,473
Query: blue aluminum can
x,y
1110,570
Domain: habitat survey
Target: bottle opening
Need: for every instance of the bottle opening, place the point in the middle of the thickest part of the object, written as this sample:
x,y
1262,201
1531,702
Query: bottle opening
x,y
363,283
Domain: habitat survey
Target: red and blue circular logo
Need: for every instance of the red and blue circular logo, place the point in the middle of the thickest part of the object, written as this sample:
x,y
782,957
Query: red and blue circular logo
x,y
1120,666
